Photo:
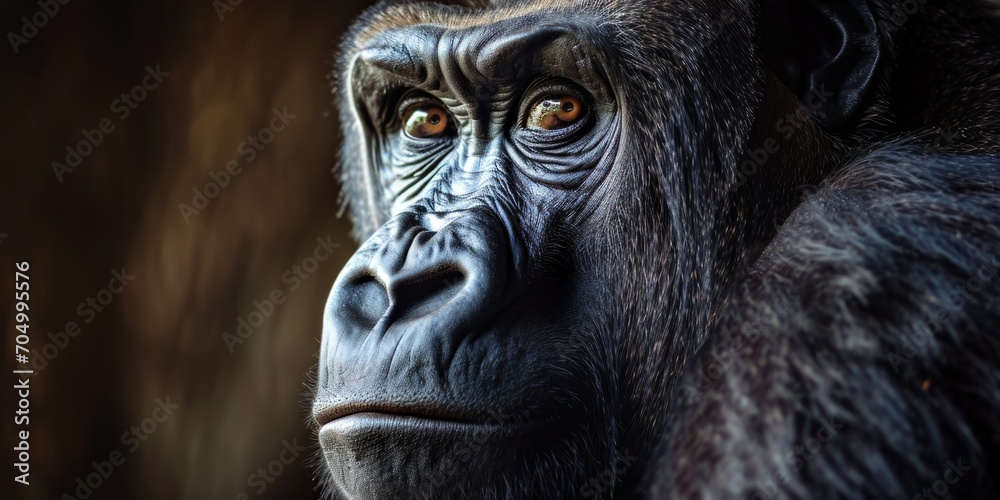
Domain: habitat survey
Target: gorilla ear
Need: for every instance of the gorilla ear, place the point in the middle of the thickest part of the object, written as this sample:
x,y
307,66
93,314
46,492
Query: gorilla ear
x,y
825,51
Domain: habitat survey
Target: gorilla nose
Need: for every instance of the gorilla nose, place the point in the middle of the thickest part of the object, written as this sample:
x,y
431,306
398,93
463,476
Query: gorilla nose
x,y
442,281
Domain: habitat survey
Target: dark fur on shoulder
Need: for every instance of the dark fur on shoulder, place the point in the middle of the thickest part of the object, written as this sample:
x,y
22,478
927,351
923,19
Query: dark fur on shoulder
x,y
859,358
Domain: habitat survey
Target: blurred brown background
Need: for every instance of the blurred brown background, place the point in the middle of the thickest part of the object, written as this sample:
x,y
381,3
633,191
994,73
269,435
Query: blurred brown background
x,y
162,336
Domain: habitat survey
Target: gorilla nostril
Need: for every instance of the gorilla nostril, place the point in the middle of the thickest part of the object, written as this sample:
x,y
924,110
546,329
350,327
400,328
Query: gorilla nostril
x,y
427,293
367,299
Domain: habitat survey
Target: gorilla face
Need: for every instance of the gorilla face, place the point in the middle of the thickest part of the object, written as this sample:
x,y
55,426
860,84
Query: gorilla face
x,y
488,150
495,334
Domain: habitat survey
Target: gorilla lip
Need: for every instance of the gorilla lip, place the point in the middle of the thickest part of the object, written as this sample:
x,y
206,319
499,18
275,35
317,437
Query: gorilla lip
x,y
360,422
363,425
334,413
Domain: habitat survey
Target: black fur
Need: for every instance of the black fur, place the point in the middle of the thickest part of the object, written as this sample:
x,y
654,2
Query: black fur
x,y
746,312
873,310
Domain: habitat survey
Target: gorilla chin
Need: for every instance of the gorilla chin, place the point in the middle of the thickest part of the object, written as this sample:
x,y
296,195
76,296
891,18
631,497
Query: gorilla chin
x,y
374,454
377,455
369,454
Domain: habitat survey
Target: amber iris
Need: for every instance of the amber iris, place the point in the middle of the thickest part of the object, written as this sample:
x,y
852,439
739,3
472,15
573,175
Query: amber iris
x,y
422,121
555,112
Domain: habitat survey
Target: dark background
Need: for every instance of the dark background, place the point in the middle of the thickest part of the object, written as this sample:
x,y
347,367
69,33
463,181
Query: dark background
x,y
162,337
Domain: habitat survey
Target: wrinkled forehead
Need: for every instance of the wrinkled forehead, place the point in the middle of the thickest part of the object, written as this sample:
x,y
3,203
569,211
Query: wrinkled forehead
x,y
469,13
428,50
495,52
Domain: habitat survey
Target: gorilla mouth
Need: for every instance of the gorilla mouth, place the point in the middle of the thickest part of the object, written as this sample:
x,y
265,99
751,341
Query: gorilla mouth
x,y
357,424
361,412
354,420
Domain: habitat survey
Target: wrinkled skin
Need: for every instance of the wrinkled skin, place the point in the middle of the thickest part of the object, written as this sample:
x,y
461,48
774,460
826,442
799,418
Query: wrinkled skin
x,y
565,212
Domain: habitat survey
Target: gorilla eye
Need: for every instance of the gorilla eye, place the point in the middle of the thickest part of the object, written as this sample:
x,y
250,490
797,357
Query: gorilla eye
x,y
425,121
555,112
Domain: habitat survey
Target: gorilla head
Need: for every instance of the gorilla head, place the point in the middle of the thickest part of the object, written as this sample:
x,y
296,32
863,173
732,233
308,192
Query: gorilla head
x,y
553,198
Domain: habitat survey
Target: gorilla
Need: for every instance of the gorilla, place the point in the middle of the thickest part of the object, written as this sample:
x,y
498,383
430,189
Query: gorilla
x,y
666,249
